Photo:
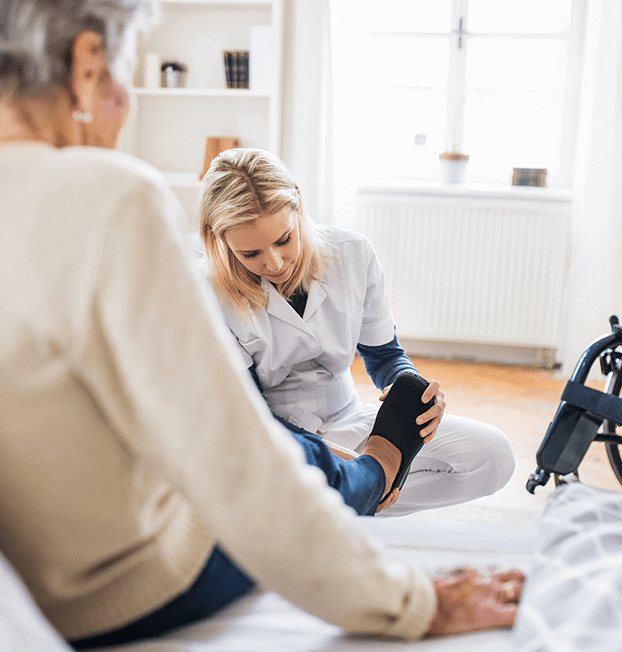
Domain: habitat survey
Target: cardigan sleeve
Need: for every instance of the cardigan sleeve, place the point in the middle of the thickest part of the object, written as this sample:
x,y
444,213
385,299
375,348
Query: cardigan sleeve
x,y
176,392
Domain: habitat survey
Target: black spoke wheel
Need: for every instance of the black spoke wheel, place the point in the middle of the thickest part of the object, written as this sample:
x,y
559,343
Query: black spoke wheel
x,y
613,386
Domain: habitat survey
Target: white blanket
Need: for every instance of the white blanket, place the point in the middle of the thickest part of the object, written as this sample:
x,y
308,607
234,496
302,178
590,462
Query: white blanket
x,y
263,621
572,601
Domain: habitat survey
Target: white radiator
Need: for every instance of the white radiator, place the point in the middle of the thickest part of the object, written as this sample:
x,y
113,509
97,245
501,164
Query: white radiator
x,y
472,269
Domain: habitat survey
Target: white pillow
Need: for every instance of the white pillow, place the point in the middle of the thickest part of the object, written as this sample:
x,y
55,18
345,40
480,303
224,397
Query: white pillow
x,y
572,600
23,628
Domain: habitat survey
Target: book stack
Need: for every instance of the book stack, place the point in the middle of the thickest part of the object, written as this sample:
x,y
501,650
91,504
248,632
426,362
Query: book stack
x,y
236,68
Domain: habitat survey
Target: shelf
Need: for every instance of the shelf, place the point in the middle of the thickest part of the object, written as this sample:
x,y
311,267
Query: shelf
x,y
182,179
219,4
242,93
169,126
501,191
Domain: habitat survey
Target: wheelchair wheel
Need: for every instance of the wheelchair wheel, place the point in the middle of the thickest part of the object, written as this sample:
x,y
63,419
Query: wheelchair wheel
x,y
613,385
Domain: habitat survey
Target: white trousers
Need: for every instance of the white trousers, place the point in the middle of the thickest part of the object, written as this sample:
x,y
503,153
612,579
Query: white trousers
x,y
465,460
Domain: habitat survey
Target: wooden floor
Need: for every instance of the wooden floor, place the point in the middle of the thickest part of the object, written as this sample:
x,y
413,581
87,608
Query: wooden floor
x,y
521,401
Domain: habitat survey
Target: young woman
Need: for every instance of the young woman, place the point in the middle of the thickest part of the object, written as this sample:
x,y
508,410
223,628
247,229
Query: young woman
x,y
301,299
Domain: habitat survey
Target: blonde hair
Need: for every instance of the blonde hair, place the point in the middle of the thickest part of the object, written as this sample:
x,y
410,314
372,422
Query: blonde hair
x,y
242,185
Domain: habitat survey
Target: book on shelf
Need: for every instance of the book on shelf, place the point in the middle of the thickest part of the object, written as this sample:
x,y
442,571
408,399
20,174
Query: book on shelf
x,y
228,72
236,68
214,146
242,60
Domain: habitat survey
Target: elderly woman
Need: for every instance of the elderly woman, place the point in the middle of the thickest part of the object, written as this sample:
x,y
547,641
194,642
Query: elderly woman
x,y
135,451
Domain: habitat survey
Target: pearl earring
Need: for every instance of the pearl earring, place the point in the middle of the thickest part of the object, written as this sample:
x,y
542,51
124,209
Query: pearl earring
x,y
82,116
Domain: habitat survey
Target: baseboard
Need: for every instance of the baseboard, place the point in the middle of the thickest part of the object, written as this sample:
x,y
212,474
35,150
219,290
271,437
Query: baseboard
x,y
513,355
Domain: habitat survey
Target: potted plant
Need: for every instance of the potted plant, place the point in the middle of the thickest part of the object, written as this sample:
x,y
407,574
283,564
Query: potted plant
x,y
453,161
174,71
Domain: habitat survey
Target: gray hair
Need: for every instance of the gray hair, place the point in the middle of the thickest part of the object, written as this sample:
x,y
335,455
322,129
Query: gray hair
x,y
36,38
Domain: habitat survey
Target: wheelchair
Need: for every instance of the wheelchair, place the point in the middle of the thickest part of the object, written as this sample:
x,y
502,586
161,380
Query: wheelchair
x,y
585,415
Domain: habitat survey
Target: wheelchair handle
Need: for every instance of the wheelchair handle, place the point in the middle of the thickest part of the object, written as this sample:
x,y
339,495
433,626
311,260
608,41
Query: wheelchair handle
x,y
593,351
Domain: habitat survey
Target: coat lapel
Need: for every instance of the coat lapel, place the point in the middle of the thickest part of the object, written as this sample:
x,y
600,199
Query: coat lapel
x,y
315,299
278,308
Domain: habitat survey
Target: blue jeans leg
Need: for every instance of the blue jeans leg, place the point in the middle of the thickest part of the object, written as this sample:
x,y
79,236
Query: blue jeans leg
x,y
361,482
220,583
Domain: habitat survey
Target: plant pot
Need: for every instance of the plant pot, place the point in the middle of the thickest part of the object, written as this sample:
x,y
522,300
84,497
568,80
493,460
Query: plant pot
x,y
453,167
173,77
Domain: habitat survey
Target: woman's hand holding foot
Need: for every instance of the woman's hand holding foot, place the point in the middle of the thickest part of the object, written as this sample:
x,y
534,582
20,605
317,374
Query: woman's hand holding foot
x,y
433,415
389,501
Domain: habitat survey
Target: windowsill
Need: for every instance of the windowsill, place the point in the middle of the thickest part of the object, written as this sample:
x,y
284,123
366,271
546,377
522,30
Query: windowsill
x,y
483,190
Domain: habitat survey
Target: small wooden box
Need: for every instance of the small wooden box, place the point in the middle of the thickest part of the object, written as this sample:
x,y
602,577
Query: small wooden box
x,y
215,146
529,177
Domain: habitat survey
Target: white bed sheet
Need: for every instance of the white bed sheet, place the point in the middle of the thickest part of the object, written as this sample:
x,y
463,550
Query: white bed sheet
x,y
262,621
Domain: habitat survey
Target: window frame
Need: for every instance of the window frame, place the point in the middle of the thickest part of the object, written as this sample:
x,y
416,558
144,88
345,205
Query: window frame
x,y
456,80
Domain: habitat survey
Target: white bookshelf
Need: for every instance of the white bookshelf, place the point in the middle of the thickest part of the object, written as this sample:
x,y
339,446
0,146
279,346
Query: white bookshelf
x,y
239,93
169,127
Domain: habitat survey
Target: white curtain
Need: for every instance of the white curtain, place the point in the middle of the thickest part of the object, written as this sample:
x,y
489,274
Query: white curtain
x,y
322,90
595,275
307,132
348,83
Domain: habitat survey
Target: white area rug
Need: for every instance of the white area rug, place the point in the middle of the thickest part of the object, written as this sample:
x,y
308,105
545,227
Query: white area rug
x,y
512,506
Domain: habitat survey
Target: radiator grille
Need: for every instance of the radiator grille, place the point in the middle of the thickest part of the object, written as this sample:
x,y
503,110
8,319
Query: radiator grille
x,y
472,269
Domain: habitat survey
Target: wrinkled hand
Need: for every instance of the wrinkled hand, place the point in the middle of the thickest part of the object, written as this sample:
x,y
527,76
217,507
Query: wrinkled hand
x,y
470,600
433,415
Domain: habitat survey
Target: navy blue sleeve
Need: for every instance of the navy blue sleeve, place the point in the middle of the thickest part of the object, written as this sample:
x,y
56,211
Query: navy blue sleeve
x,y
386,362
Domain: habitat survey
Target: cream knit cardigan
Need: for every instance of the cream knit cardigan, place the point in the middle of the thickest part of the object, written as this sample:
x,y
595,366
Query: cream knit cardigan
x,y
131,436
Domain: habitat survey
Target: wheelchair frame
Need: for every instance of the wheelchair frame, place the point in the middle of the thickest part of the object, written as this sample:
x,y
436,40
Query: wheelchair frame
x,y
585,415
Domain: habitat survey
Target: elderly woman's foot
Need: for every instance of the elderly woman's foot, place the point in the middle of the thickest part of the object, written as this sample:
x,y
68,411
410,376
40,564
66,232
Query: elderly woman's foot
x,y
389,458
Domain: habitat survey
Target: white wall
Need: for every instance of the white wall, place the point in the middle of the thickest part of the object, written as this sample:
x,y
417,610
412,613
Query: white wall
x,y
306,142
595,275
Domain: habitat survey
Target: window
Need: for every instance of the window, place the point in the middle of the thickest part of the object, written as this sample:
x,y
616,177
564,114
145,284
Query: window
x,y
496,80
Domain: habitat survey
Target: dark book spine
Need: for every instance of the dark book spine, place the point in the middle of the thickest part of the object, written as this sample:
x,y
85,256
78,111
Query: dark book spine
x,y
227,56
235,56
243,69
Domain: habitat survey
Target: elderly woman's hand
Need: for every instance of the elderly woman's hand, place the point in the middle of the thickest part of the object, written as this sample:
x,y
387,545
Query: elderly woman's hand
x,y
433,415
471,600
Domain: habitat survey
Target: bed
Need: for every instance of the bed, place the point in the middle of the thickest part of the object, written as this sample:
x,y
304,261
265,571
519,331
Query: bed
x,y
572,601
263,621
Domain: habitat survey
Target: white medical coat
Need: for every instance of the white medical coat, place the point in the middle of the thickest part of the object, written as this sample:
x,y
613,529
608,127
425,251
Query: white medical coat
x,y
303,363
